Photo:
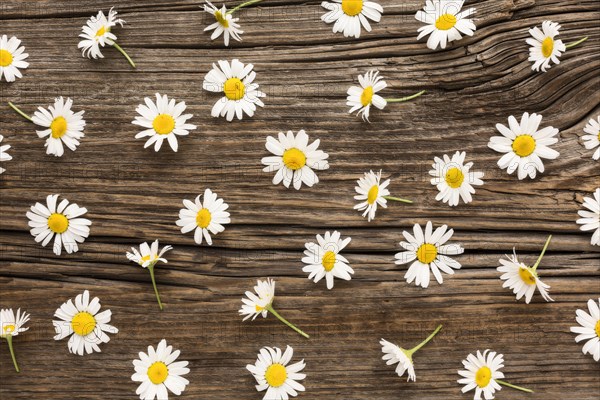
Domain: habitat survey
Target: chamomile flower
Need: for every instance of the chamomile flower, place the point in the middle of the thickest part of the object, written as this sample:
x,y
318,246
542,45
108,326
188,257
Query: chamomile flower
x,y
323,259
12,58
204,217
159,372
592,139
273,374
84,323
524,145
11,326
163,120
294,159
445,22
224,23
590,218
147,257
454,179
521,279
371,192
4,156
544,47
350,15
589,329
236,82
62,222
428,251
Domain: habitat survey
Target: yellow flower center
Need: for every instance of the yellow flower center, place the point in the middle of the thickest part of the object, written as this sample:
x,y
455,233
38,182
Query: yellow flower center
x,y
597,329
547,47
294,159
83,323
163,124
445,22
259,308
483,377
523,145
427,253
367,96
203,218
454,177
58,223
276,375
372,195
5,58
158,372
8,329
352,7
58,127
328,261
221,19
527,276
234,89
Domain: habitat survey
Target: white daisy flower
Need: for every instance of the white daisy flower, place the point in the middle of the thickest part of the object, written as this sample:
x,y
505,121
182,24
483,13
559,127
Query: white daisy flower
x,y
273,374
371,192
162,120
544,48
294,159
84,323
592,139
235,82
589,329
159,372
521,279
350,15
445,22
454,179
590,220
428,250
11,326
12,58
147,257
204,217
524,145
4,156
61,222
323,259
225,23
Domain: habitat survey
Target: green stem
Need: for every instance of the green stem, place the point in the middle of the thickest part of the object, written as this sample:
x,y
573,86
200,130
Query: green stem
x,y
151,269
246,4
541,254
513,386
124,53
403,99
12,352
275,313
397,199
21,113
568,46
424,342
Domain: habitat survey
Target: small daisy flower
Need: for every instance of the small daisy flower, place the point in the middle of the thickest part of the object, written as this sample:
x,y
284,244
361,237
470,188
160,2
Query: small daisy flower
x,y
428,251
524,145
592,139
350,15
261,303
521,279
159,372
12,58
162,120
371,192
294,159
323,259
204,217
393,354
4,156
590,218
454,179
445,22
273,374
545,48
589,329
147,257
225,23
62,222
84,323
97,33
11,326
235,82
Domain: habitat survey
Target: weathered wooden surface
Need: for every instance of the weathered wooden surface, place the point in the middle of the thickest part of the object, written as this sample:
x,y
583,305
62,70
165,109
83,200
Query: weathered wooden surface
x,y
134,195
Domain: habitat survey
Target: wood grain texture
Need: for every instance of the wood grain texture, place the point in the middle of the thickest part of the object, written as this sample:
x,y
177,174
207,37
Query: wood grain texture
x,y
134,195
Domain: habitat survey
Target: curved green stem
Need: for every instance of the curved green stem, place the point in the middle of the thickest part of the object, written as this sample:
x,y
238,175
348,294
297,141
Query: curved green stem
x,y
124,53
513,386
424,342
568,46
541,254
246,4
397,199
403,99
21,113
12,352
285,321
151,269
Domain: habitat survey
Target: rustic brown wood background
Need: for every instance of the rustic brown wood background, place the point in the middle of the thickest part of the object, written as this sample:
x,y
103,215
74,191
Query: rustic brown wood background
x,y
134,195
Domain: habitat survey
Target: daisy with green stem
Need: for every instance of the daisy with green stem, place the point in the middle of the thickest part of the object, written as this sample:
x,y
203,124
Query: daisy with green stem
x,y
371,193
224,23
545,48
147,257
11,326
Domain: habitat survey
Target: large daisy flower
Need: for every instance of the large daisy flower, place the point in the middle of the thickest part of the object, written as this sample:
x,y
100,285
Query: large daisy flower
x,y
350,15
445,22
61,125
257,304
371,192
84,323
61,222
224,23
454,179
481,373
162,120
544,48
361,98
11,326
4,156
428,251
323,259
159,372
204,217
97,33
294,159
12,58
524,145
589,329
273,374
590,218
235,82
592,139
